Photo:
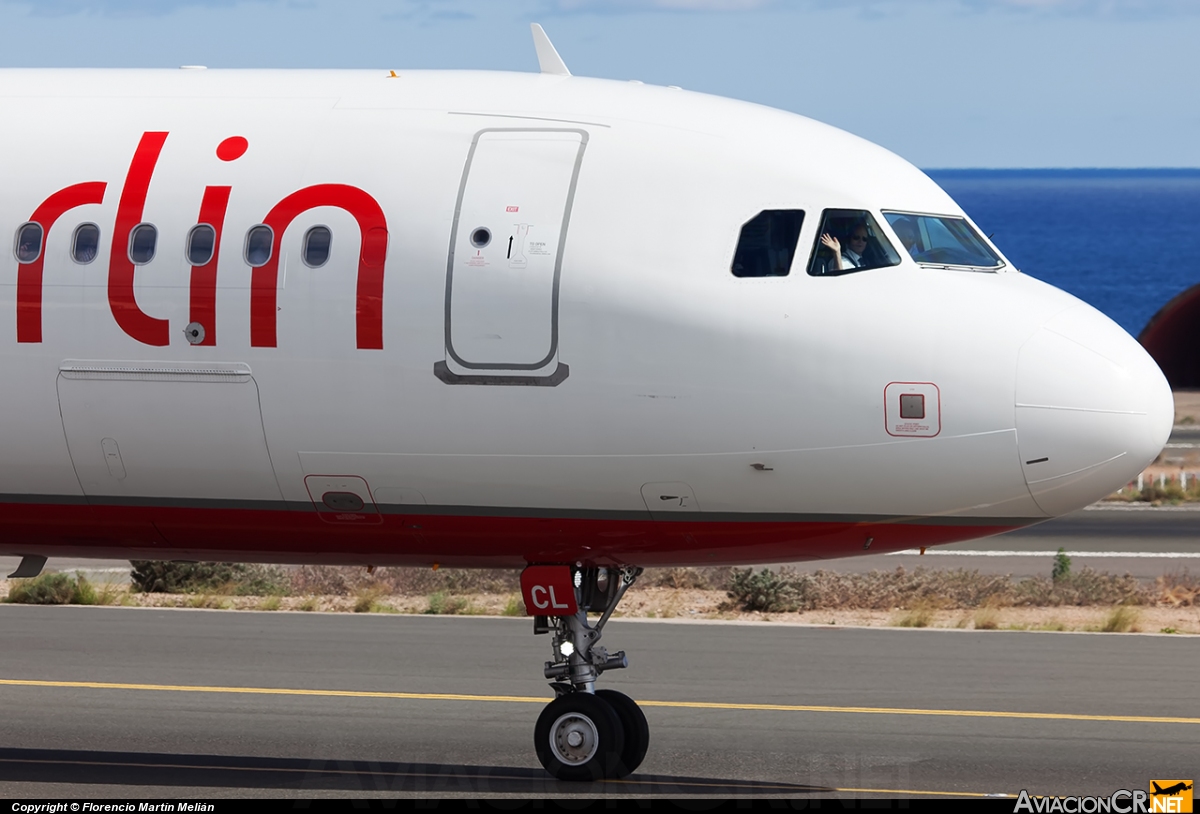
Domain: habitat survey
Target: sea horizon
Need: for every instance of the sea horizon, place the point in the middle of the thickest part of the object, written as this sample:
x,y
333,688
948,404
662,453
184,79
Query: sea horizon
x,y
1117,238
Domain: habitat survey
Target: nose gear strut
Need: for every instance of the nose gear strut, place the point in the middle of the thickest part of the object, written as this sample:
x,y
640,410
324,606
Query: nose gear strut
x,y
585,733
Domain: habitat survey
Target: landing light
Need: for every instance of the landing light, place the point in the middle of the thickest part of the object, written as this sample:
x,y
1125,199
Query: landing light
x,y
566,648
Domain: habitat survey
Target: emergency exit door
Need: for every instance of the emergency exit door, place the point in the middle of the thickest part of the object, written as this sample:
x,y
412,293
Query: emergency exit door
x,y
505,261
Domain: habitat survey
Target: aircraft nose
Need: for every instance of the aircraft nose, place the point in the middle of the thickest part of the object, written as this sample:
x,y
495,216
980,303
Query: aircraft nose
x,y
1092,410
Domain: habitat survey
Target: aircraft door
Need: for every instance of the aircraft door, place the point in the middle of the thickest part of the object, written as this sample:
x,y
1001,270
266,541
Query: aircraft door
x,y
505,260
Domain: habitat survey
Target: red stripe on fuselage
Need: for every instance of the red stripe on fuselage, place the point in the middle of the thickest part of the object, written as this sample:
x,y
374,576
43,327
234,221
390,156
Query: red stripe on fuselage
x,y
298,535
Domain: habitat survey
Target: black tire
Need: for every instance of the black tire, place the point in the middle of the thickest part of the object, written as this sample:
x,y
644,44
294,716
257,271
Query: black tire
x,y
599,728
637,730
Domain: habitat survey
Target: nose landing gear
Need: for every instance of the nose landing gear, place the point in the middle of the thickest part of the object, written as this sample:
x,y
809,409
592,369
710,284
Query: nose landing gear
x,y
585,733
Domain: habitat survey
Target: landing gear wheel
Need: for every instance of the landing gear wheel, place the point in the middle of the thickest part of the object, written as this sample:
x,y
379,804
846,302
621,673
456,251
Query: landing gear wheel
x,y
637,730
579,737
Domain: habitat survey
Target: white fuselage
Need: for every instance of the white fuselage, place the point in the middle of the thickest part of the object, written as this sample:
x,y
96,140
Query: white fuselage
x,y
613,393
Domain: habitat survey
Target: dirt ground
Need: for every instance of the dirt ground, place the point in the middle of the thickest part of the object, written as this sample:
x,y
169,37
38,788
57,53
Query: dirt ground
x,y
678,604
1187,407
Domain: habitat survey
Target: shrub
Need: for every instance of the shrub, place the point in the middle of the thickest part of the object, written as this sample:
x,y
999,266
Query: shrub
x,y
768,591
703,579
1084,587
1062,565
1121,619
515,606
1178,589
367,599
236,579
46,589
443,603
61,589
345,580
921,616
987,619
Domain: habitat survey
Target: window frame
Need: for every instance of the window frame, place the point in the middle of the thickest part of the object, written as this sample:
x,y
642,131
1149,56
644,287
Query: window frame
x,y
304,246
880,235
75,243
187,244
1002,262
153,250
270,246
17,242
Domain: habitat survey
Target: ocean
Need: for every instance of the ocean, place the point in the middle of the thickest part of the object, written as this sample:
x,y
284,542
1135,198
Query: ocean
x,y
1125,241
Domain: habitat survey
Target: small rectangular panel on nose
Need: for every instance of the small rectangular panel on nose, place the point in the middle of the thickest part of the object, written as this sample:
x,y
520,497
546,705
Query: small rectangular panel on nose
x,y
912,409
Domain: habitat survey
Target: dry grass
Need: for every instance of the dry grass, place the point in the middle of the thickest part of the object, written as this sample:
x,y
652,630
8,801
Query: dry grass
x,y
1081,600
987,619
915,617
442,603
1121,619
1178,589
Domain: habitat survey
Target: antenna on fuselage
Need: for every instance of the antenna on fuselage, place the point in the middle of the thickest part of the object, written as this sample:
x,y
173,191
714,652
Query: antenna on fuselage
x,y
548,59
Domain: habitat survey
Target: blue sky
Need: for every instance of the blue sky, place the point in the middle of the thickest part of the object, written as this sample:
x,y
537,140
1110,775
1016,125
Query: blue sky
x,y
945,83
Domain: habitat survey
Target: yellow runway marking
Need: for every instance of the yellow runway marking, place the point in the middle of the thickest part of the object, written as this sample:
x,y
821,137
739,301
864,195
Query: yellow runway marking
x,y
529,699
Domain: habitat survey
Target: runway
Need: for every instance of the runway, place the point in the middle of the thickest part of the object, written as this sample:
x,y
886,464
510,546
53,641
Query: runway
x,y
137,703
1140,540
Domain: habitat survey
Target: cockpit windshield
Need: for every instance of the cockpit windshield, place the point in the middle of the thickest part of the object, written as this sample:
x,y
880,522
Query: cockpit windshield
x,y
942,240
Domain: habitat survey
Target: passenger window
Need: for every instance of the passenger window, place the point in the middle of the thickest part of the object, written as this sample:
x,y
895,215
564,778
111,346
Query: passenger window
x,y
29,242
258,245
201,243
849,240
316,246
142,241
941,240
768,243
85,243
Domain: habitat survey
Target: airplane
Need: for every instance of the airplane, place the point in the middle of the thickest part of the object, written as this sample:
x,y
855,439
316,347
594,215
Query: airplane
x,y
478,319
1170,790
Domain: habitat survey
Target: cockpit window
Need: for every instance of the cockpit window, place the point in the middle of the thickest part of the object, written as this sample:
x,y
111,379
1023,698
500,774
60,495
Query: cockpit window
x,y
849,240
942,240
768,244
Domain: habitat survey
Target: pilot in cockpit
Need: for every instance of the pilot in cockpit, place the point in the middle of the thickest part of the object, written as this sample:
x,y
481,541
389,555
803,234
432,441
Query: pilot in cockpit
x,y
906,230
849,256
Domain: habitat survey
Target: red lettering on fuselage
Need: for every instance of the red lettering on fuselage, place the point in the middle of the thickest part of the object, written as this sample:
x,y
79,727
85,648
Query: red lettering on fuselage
x,y
203,289
132,319
29,275
372,226
139,325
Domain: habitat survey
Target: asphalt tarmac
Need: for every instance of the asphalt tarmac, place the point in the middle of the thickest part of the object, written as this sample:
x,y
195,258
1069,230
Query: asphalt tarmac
x,y
137,703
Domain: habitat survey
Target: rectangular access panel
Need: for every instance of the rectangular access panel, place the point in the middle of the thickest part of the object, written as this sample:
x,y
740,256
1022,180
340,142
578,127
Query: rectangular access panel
x,y
505,261
166,430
